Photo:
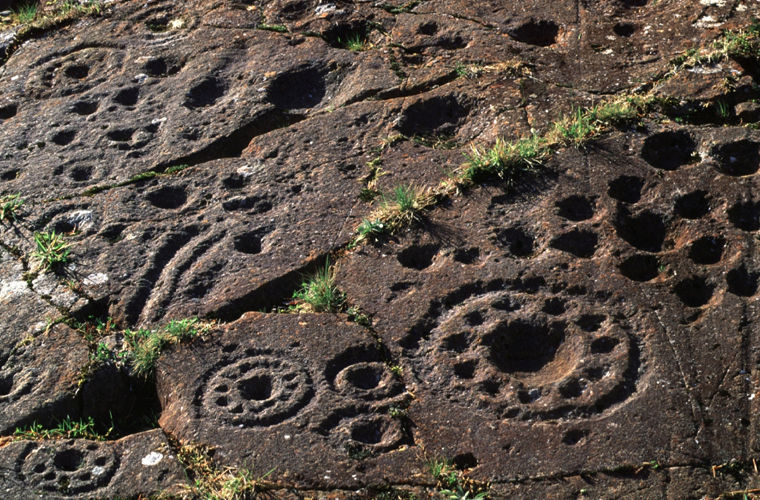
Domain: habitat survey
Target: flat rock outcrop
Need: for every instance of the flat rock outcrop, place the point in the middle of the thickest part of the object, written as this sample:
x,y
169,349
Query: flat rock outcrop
x,y
137,465
585,327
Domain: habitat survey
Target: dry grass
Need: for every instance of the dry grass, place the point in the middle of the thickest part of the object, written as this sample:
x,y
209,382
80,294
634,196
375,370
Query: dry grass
x,y
209,481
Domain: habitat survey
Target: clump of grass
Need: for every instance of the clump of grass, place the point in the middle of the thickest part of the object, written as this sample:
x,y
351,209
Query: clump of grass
x,y
357,451
443,472
74,6
368,194
142,176
371,230
622,110
277,28
582,125
576,128
356,41
510,161
9,206
744,43
461,494
212,482
65,429
61,14
318,292
405,198
145,345
397,412
513,160
102,353
388,492
94,328
402,208
176,168
52,250
687,59
468,71
27,12
453,484
722,109
358,317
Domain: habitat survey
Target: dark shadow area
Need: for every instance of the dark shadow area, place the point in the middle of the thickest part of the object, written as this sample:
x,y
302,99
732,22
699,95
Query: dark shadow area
x,y
541,33
669,150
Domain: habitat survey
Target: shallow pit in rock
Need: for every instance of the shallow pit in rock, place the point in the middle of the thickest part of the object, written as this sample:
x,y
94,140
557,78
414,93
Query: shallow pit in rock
x,y
694,205
626,188
517,240
707,250
695,291
536,32
669,150
737,158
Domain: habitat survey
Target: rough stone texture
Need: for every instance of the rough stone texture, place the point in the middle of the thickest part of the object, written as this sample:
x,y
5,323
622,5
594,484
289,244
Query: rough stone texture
x,y
678,482
233,220
590,332
593,305
313,391
137,465
39,376
27,314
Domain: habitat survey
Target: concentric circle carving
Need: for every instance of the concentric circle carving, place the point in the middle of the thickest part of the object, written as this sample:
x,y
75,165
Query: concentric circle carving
x,y
258,390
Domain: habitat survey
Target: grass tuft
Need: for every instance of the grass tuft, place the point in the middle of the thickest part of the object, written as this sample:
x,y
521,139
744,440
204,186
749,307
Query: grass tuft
x,y
277,28
402,208
59,14
371,230
86,7
405,198
318,292
576,128
454,484
9,206
356,42
218,483
732,44
65,429
357,316
145,345
468,71
583,125
509,161
744,43
176,168
52,250
26,13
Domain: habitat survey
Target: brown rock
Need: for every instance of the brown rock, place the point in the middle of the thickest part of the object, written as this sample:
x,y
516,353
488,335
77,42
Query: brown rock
x,y
141,465
312,391
590,331
39,378
748,112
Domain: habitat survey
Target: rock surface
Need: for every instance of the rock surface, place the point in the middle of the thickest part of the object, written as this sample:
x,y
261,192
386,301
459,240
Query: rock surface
x,y
137,465
591,330
313,392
